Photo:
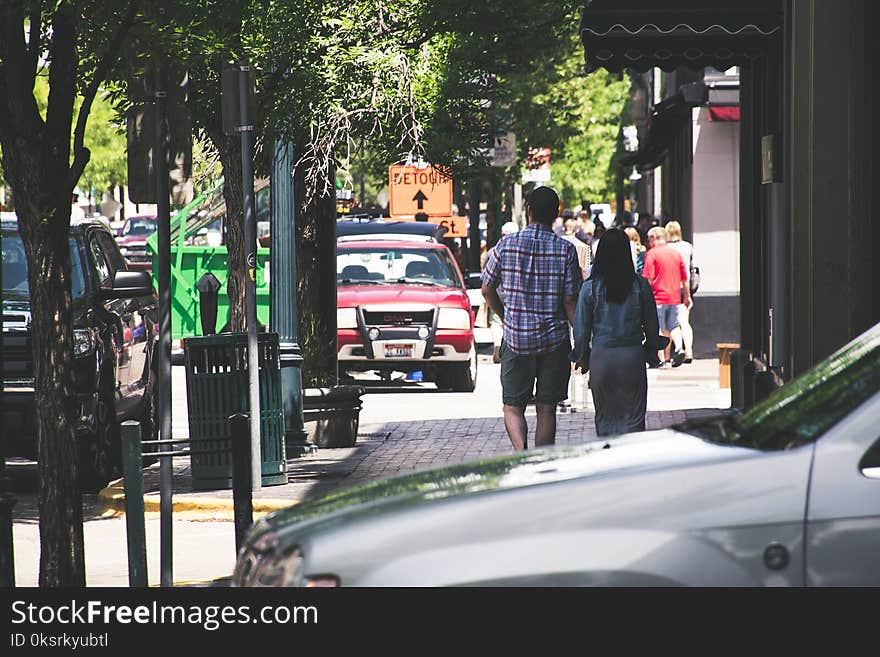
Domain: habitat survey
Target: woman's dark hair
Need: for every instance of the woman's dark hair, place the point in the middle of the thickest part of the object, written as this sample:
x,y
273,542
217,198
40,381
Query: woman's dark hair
x,y
614,265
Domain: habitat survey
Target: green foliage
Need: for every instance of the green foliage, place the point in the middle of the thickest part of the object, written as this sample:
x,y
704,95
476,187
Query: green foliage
x,y
105,138
584,166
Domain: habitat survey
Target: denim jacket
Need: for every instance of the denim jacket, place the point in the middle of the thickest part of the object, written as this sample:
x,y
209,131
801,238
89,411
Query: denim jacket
x,y
597,322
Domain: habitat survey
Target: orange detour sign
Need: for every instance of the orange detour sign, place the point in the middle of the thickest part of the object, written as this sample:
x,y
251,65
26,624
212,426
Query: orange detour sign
x,y
455,226
414,190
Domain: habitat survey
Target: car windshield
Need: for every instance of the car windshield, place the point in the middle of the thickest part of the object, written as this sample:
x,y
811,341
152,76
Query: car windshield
x,y
15,281
802,410
384,265
144,226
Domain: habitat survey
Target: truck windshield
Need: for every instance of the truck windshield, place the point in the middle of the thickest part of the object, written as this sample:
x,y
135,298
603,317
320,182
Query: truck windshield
x,y
138,226
378,265
15,281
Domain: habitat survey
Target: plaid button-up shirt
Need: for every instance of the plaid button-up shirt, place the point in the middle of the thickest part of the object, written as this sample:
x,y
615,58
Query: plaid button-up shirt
x,y
537,270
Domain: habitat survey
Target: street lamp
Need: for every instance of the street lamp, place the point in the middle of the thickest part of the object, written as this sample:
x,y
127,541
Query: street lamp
x,y
283,315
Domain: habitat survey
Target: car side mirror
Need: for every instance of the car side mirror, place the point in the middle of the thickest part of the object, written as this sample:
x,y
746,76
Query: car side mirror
x,y
130,284
474,281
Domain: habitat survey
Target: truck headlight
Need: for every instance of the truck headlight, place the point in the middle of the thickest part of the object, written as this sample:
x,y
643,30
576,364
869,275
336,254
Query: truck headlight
x,y
346,318
83,342
453,318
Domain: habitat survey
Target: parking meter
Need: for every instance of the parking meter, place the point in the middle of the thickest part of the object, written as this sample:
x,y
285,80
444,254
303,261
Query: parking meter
x,y
209,288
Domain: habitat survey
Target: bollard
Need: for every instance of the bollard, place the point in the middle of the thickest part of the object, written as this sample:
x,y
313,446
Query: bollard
x,y
242,478
134,503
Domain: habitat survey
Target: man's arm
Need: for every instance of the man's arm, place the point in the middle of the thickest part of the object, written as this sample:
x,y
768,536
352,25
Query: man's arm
x,y
686,285
490,294
570,303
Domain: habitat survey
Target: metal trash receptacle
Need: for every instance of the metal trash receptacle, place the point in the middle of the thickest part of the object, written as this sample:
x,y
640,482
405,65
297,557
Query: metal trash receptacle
x,y
217,387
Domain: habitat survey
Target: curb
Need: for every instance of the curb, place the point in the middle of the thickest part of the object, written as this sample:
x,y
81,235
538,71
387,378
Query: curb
x,y
112,498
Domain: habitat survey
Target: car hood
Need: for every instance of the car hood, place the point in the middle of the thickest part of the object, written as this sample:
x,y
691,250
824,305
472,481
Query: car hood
x,y
621,456
140,240
349,296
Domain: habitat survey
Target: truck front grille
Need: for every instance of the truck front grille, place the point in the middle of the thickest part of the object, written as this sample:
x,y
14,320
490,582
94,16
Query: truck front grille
x,y
399,318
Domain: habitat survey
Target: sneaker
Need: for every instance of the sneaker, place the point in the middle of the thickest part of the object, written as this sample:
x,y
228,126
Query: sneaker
x,y
661,366
677,358
688,358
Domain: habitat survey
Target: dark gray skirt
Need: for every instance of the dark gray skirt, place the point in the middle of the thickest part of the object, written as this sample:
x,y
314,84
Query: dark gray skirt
x,y
619,383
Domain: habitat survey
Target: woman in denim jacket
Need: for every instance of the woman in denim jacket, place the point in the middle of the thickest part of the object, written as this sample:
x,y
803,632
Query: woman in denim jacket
x,y
616,314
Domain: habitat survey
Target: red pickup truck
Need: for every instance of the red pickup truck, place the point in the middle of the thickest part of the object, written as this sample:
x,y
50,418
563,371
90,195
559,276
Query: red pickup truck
x,y
402,306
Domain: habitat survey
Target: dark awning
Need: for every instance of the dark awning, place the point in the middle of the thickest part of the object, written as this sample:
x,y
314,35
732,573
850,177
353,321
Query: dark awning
x,y
641,34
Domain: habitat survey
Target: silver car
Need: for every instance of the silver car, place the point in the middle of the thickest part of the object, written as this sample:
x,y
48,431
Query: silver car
x,y
786,494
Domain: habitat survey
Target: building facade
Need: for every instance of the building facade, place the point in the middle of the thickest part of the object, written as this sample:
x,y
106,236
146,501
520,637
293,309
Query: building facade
x,y
808,270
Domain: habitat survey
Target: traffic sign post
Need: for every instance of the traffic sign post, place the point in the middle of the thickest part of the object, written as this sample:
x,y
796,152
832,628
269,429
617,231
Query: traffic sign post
x,y
455,226
416,190
423,194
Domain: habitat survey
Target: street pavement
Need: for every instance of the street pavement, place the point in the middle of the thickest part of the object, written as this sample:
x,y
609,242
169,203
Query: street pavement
x,y
404,427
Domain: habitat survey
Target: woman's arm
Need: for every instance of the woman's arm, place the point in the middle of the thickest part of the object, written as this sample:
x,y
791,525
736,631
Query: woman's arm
x,y
583,327
650,323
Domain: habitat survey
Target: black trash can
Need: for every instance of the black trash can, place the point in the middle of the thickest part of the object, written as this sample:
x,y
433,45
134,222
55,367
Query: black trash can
x,y
216,387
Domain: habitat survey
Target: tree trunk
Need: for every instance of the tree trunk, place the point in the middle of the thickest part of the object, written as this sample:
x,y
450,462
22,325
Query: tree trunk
x,y
36,158
316,288
230,158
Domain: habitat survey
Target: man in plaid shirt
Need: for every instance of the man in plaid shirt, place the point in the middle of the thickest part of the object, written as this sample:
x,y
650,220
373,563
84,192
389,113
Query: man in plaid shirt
x,y
541,278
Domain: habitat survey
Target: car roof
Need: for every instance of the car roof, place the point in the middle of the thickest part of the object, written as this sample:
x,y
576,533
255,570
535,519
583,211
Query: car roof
x,y
378,228
390,243
11,224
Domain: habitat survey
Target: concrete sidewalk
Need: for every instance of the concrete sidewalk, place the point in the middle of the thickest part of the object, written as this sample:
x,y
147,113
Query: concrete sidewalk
x,y
410,427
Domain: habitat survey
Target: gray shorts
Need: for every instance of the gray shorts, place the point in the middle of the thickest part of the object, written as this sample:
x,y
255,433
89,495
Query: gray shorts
x,y
520,372
667,315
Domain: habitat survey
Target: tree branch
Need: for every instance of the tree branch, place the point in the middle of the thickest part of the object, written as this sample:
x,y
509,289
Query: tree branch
x,y
269,88
81,154
36,19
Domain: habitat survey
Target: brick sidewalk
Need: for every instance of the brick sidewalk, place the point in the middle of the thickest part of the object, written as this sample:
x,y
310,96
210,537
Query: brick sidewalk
x,y
430,428
385,450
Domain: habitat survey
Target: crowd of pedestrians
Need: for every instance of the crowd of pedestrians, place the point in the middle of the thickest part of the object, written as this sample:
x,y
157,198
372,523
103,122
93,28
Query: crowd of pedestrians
x,y
621,292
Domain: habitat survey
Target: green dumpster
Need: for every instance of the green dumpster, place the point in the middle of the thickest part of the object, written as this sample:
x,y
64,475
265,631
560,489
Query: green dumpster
x,y
190,262
217,387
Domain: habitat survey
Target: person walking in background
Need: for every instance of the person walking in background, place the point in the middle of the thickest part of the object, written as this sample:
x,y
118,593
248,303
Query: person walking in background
x,y
597,235
586,227
584,253
615,314
541,277
559,226
638,249
646,222
686,251
495,324
665,270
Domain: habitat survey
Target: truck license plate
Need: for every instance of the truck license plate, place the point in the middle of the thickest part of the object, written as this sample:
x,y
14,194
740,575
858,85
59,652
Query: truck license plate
x,y
398,351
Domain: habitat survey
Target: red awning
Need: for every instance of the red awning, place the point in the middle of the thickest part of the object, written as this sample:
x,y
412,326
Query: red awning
x,y
724,113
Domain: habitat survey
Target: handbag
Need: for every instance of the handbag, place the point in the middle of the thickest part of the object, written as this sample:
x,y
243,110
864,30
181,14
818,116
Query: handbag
x,y
695,279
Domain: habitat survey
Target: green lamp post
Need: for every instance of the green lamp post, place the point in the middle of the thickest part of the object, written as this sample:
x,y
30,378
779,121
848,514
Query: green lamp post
x,y
283,316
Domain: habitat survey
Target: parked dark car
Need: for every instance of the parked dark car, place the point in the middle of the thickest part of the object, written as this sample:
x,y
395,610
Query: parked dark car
x,y
114,328
132,241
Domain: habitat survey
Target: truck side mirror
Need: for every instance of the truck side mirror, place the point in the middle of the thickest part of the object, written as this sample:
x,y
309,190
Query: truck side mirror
x,y
130,284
